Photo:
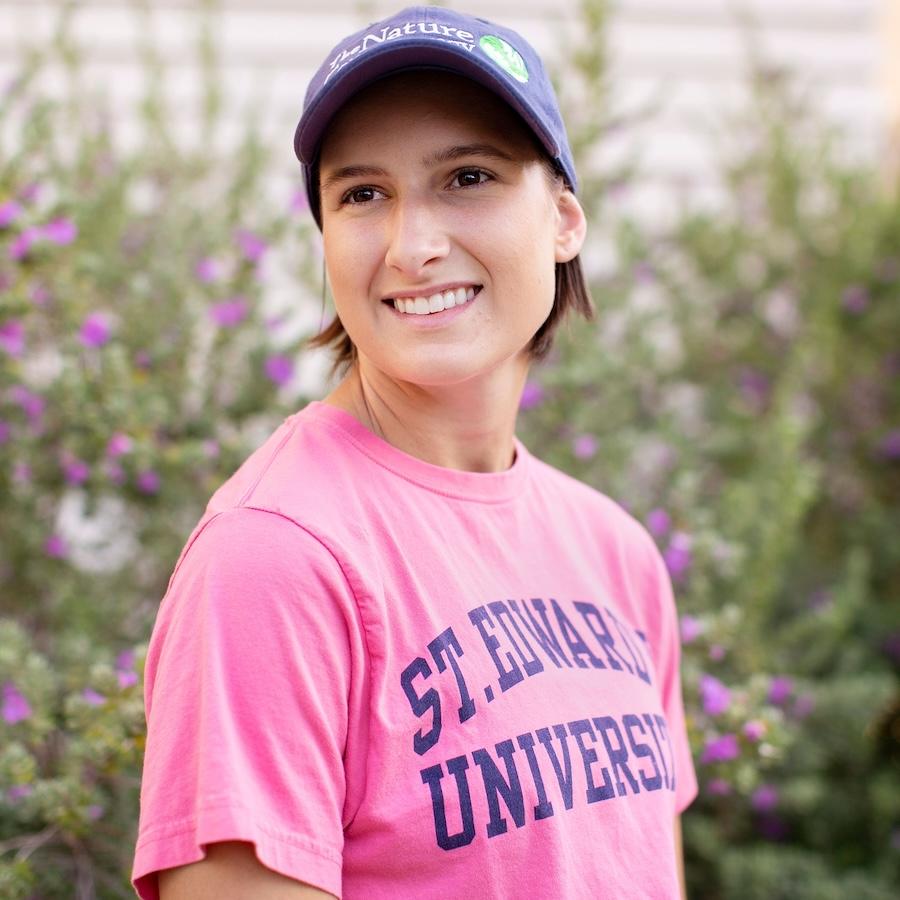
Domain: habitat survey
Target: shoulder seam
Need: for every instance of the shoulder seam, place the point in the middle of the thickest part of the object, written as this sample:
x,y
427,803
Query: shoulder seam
x,y
265,468
357,607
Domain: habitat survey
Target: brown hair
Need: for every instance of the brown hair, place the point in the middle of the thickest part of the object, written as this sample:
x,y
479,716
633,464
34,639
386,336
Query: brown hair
x,y
571,295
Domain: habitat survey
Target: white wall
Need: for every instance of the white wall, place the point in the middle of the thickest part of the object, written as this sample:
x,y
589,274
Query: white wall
x,y
691,53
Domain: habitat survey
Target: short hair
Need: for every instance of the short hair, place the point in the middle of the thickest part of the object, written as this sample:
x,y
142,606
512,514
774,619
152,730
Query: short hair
x,y
572,295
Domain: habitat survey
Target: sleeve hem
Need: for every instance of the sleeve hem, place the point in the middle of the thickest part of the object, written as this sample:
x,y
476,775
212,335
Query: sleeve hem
x,y
182,842
684,800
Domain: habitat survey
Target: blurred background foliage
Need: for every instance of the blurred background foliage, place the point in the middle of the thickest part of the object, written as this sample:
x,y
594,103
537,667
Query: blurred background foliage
x,y
738,393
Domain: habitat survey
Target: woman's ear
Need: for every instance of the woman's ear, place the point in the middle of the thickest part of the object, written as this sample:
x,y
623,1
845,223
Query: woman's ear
x,y
571,226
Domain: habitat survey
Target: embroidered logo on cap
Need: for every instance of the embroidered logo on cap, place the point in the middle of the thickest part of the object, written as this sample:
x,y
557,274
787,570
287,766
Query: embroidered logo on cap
x,y
505,56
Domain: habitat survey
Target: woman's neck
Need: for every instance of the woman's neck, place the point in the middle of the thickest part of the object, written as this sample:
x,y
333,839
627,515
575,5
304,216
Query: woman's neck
x,y
468,427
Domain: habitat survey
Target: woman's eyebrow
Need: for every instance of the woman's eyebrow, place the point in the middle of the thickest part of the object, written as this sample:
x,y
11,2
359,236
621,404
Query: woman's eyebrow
x,y
460,150
346,172
447,154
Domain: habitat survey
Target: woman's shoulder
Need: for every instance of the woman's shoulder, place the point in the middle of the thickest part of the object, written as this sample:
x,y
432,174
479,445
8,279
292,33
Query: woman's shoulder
x,y
291,492
607,518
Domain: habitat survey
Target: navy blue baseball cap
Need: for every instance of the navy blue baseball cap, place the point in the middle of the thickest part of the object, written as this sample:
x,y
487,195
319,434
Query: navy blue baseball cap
x,y
429,37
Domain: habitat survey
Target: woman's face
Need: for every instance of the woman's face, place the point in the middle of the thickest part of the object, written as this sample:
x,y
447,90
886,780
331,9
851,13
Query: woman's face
x,y
430,184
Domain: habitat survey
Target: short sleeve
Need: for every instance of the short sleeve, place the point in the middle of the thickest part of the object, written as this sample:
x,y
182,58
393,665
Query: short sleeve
x,y
247,683
666,643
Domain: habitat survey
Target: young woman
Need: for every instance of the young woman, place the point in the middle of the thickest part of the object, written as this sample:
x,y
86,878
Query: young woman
x,y
400,656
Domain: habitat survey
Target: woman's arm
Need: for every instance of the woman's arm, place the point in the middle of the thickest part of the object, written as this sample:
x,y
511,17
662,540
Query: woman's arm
x,y
231,871
679,858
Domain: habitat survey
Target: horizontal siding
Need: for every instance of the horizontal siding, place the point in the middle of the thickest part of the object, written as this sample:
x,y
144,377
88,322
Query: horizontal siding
x,y
691,54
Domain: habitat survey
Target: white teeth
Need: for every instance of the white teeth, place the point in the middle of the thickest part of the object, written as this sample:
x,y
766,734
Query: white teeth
x,y
423,306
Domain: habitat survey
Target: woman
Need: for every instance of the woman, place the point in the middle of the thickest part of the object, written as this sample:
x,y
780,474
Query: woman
x,y
400,656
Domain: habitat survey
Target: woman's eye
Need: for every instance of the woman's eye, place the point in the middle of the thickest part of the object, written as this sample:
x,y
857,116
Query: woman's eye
x,y
359,195
471,177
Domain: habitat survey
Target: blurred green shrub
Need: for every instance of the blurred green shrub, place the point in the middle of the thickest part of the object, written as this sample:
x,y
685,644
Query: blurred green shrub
x,y
739,392
143,354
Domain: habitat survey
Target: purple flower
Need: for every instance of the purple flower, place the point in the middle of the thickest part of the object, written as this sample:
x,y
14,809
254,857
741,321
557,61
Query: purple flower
x,y
299,201
780,689
754,386
15,707
12,337
92,698
55,547
9,212
21,473
855,299
118,445
659,522
5,431
584,446
21,245
31,404
19,792
148,481
125,669
691,629
532,395
772,827
207,270
211,449
279,369
95,330
127,679
764,798
755,730
719,787
94,811
889,447
229,313
678,555
720,749
715,696
60,231
717,653
252,246
76,471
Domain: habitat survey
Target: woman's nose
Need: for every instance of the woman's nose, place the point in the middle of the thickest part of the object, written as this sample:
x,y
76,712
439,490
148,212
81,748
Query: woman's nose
x,y
416,236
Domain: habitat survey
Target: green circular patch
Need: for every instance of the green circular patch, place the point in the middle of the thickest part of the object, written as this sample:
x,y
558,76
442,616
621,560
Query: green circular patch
x,y
505,56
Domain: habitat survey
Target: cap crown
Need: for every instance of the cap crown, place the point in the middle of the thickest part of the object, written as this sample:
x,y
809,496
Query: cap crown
x,y
432,37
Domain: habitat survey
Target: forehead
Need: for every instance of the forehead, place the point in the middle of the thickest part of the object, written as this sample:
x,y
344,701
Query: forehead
x,y
441,101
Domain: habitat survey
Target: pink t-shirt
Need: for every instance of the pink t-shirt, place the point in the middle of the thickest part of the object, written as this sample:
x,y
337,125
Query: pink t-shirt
x,y
400,680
